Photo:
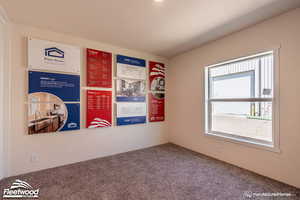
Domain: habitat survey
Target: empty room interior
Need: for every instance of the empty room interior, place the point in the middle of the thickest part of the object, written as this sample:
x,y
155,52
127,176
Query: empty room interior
x,y
150,99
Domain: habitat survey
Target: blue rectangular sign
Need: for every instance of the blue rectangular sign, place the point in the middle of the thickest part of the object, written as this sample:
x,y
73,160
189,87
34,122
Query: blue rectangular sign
x,y
131,61
64,86
131,120
73,117
131,99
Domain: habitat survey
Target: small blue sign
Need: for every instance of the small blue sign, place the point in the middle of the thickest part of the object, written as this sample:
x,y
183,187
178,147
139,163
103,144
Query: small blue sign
x,y
131,61
73,120
64,86
131,99
131,120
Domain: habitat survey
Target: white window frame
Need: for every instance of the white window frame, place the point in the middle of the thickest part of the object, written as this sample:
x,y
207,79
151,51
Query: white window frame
x,y
256,143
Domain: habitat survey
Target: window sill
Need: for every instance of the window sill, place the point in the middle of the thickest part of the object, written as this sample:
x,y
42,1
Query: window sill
x,y
244,142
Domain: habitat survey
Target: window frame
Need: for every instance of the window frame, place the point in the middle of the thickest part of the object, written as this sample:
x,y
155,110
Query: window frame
x,y
252,142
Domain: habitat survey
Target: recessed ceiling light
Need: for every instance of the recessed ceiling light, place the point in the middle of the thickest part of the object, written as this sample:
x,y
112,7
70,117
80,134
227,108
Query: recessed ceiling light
x,y
158,1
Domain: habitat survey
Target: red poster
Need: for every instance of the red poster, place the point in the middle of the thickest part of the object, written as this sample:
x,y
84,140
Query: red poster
x,y
156,76
99,68
99,109
156,107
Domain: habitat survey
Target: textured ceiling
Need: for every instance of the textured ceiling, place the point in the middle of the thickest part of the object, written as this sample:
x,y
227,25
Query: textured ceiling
x,y
166,29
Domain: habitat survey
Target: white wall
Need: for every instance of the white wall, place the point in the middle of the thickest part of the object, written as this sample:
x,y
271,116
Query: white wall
x,y
66,147
185,97
1,99
4,89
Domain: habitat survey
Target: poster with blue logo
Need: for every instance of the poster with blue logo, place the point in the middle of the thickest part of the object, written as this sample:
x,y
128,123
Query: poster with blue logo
x,y
53,102
73,117
53,56
131,113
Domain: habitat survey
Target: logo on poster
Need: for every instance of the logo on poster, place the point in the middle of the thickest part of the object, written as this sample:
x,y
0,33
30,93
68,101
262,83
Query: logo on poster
x,y
72,125
98,122
21,189
54,55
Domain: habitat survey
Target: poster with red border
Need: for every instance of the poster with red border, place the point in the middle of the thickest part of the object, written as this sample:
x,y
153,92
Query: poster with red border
x,y
156,76
156,107
99,109
99,68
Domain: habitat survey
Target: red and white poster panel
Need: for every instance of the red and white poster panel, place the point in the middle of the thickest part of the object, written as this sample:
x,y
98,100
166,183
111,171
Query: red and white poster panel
x,y
156,76
99,109
99,68
156,107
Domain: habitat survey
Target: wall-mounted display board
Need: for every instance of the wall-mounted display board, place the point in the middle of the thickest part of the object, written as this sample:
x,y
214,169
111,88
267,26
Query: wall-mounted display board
x,y
130,90
131,68
64,86
156,107
131,113
52,56
53,102
99,109
99,68
156,76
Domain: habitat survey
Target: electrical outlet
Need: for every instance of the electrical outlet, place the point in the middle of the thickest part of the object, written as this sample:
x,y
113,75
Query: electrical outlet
x,y
33,157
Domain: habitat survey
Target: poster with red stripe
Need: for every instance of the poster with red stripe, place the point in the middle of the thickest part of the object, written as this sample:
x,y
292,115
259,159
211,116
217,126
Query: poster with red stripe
x,y
99,68
156,107
99,109
157,76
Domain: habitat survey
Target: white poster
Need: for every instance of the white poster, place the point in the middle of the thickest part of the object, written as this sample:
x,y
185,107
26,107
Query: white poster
x,y
131,113
132,68
52,56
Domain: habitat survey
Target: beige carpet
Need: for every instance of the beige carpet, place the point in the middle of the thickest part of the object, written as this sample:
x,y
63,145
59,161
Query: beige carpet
x,y
165,172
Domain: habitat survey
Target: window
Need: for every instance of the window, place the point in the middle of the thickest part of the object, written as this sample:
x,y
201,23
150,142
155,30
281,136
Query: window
x,y
240,100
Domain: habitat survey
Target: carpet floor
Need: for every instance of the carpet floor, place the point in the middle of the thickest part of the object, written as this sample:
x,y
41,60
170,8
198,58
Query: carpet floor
x,y
165,172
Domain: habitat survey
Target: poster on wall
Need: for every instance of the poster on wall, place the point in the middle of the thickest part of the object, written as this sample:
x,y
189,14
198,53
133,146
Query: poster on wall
x,y
156,107
131,113
54,116
99,68
129,90
99,109
131,68
156,76
52,56
64,86
53,102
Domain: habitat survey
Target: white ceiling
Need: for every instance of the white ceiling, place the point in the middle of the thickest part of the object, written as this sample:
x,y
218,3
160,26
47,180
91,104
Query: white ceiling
x,y
165,29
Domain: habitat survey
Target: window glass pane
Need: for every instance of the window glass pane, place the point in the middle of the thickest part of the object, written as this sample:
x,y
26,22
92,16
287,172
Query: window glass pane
x,y
251,78
239,85
253,120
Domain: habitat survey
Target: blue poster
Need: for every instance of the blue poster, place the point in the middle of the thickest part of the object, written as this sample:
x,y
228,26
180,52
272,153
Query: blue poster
x,y
131,61
130,99
49,107
131,120
73,117
64,86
